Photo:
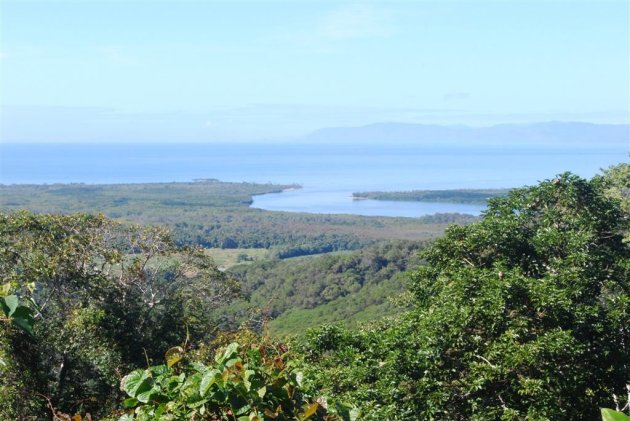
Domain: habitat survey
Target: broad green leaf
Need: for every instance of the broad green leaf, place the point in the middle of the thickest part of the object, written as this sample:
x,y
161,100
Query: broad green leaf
x,y
130,382
158,370
246,382
130,402
191,391
234,401
173,382
174,355
193,383
11,302
145,396
136,382
126,417
209,378
197,366
612,415
23,318
4,307
228,353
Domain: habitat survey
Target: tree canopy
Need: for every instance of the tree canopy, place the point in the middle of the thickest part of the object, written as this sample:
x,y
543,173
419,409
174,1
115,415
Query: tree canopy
x,y
523,315
105,298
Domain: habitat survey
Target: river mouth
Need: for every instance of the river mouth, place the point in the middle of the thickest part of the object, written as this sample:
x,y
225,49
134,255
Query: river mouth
x,y
340,201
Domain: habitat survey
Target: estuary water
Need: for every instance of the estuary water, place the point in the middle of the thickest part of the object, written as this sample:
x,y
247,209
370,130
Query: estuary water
x,y
328,173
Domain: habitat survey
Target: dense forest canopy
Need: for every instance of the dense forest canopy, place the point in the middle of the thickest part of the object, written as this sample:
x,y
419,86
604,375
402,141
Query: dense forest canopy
x,y
521,315
105,298
348,287
216,214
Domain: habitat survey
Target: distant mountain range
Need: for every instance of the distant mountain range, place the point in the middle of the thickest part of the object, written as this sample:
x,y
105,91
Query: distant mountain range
x,y
548,133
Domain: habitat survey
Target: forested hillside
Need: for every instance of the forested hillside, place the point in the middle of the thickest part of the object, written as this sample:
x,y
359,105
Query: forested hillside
x,y
296,294
521,315
97,299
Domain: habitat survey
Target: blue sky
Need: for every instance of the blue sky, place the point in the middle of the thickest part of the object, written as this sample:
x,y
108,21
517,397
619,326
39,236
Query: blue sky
x,y
121,71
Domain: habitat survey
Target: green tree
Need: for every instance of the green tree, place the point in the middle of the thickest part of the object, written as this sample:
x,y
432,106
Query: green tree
x,y
105,297
523,315
616,182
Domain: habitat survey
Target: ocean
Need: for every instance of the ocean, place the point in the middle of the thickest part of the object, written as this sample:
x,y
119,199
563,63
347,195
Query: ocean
x,y
328,173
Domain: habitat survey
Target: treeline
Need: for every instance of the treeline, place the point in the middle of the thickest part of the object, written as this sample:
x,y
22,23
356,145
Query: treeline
x,y
290,234
123,200
463,196
216,214
297,234
252,230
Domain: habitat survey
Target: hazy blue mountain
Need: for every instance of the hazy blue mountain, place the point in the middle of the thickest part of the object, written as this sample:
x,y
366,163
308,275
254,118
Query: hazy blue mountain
x,y
539,134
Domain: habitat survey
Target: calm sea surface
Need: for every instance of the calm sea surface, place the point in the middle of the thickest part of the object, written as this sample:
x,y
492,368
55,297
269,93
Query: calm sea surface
x,y
328,173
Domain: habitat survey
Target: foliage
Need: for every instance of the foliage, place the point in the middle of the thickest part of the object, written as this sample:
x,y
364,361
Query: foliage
x,y
104,297
616,182
347,287
243,383
130,198
21,316
622,405
215,214
612,415
523,315
465,196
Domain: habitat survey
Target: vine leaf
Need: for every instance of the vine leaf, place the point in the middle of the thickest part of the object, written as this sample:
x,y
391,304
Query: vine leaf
x,y
612,415
136,382
174,355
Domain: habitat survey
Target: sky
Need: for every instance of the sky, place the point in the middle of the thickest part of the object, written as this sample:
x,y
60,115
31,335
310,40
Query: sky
x,y
202,71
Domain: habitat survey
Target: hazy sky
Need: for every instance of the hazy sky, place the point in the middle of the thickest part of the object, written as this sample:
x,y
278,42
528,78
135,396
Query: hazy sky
x,y
206,70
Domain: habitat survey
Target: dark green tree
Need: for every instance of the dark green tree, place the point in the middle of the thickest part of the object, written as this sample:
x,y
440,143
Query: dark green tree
x,y
105,298
523,315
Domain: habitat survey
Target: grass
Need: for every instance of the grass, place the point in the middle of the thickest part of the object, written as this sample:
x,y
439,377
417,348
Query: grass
x,y
226,258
